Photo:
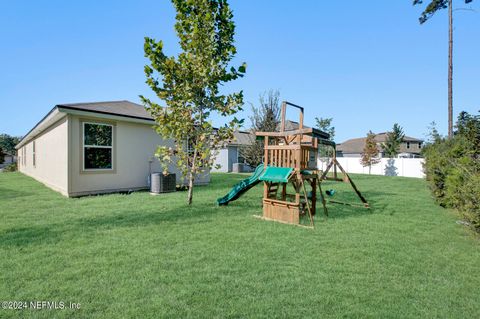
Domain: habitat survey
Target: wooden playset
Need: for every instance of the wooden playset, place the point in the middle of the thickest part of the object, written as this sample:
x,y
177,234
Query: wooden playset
x,y
290,174
290,158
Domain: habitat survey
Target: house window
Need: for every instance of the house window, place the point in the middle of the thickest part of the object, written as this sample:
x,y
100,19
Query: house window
x,y
408,144
33,154
420,145
97,146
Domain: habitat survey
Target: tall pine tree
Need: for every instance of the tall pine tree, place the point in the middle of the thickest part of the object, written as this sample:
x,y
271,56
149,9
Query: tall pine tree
x,y
430,10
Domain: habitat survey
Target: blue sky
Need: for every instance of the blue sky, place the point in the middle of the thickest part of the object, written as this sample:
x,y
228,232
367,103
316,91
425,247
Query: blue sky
x,y
367,64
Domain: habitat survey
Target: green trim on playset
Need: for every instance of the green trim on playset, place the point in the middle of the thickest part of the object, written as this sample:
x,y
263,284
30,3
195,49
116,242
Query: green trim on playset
x,y
276,174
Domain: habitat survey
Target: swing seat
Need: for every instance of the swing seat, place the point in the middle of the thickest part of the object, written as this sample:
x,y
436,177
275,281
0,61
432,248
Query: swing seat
x,y
330,192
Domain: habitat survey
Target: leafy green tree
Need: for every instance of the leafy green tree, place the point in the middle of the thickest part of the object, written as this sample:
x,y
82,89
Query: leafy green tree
x,y
468,125
189,86
325,125
370,152
265,118
394,139
8,142
430,10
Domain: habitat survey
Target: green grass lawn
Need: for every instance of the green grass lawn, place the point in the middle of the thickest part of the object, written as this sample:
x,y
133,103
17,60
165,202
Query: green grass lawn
x,y
124,256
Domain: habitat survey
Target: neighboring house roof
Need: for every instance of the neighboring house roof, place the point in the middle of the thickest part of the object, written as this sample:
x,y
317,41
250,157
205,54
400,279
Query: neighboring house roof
x,y
292,126
356,145
242,138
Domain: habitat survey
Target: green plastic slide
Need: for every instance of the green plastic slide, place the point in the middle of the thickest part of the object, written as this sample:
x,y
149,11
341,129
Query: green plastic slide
x,y
240,188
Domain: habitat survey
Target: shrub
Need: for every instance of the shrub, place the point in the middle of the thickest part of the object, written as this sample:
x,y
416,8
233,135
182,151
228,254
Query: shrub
x,y
10,168
452,168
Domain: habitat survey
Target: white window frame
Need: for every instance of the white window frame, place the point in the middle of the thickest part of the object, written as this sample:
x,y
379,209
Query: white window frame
x,y
97,146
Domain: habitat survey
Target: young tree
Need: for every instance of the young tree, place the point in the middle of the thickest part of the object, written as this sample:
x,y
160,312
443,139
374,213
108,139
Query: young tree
x,y
8,142
430,10
395,137
433,135
370,152
189,86
325,125
266,117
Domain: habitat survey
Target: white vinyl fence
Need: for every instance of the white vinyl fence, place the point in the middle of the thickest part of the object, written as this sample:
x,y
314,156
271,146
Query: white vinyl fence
x,y
408,167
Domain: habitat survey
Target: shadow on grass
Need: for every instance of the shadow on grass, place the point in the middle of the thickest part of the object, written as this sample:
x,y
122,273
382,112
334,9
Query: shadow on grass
x,y
337,210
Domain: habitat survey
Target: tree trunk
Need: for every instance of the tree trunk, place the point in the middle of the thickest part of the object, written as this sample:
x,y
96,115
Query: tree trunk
x,y
369,169
450,69
190,188
191,179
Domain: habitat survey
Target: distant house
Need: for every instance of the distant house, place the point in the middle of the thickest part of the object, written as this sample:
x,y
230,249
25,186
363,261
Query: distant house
x,y
90,148
410,147
8,159
230,154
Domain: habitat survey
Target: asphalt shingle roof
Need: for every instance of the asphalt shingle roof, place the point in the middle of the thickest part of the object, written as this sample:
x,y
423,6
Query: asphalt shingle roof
x,y
356,145
122,108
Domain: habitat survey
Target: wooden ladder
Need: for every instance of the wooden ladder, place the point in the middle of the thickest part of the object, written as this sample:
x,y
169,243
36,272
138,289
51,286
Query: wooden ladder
x,y
273,190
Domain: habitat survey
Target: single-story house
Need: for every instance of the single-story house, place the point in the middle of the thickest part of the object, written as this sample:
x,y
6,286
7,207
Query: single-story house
x,y
230,154
410,147
8,159
91,148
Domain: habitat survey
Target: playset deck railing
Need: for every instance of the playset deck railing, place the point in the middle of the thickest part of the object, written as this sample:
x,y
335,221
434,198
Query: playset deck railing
x,y
300,157
297,148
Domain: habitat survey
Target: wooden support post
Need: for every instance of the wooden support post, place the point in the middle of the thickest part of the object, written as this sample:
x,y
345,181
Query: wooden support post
x,y
324,204
364,201
296,186
325,173
335,165
300,124
313,185
265,150
308,203
283,114
266,187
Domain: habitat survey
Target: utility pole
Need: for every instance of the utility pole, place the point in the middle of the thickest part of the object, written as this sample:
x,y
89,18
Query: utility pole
x,y
450,69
